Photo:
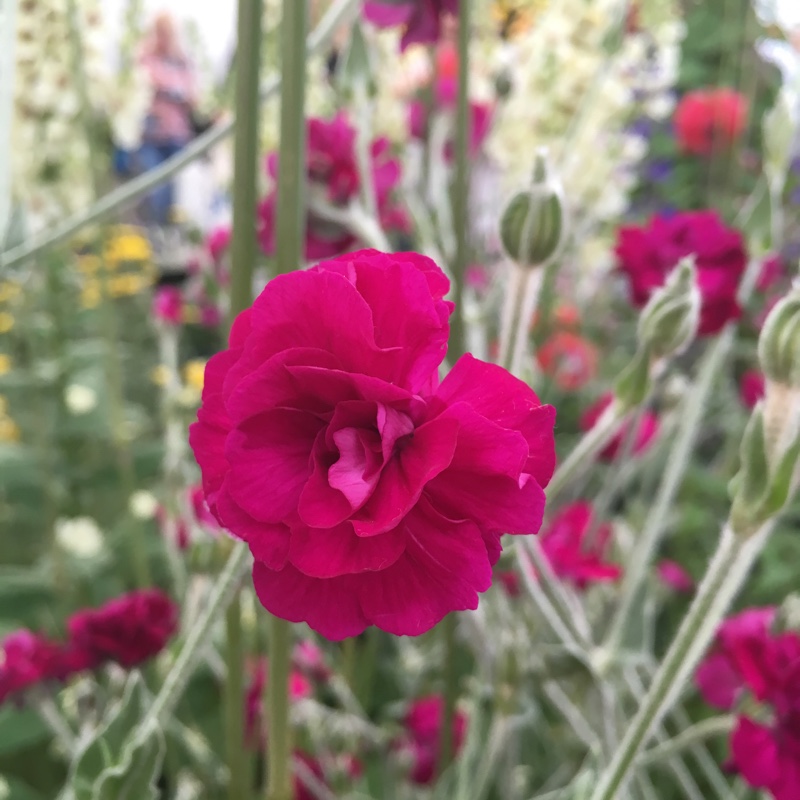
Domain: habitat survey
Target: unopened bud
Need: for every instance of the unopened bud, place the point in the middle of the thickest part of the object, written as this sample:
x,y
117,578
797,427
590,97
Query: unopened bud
x,y
779,343
532,225
355,73
669,321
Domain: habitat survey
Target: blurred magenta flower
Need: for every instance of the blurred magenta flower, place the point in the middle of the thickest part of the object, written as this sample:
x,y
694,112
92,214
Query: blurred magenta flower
x,y
29,659
369,493
647,254
421,20
773,271
752,385
168,305
299,687
423,724
645,433
128,630
310,660
575,551
332,170
674,576
748,658
709,119
218,241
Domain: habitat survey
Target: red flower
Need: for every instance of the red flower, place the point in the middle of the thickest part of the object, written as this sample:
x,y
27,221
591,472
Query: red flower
x,y
368,493
566,544
128,630
747,657
709,118
299,687
168,305
332,166
673,575
421,19
752,385
645,433
569,359
423,724
29,659
647,254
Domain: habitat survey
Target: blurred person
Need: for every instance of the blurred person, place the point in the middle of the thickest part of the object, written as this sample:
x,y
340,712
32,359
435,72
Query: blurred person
x,y
169,124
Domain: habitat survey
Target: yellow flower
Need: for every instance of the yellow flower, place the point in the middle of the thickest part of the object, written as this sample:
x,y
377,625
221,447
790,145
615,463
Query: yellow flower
x,y
515,16
88,264
90,296
128,247
5,363
9,432
6,322
159,375
191,314
124,284
8,291
193,373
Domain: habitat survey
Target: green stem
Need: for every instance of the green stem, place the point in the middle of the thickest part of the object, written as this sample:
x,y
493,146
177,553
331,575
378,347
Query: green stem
x,y
726,573
279,744
457,343
135,189
239,778
446,752
659,515
224,591
291,212
349,647
697,733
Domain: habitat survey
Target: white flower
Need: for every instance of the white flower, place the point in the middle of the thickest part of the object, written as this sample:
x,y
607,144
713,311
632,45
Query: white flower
x,y
5,789
79,536
142,505
80,399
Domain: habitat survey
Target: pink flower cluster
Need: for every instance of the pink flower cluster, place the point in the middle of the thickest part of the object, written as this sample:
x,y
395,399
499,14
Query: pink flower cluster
x,y
749,661
421,20
127,631
332,170
369,493
648,253
170,308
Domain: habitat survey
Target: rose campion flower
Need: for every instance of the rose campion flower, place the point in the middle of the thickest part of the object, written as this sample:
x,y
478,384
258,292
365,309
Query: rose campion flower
x,y
308,659
709,119
480,119
569,359
332,170
421,19
29,659
218,242
748,658
752,386
168,305
645,433
368,492
647,254
674,576
423,724
773,271
128,630
566,545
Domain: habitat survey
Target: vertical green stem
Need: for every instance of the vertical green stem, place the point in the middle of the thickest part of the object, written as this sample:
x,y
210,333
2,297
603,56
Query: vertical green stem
x,y
461,185
450,692
290,231
239,780
279,747
290,221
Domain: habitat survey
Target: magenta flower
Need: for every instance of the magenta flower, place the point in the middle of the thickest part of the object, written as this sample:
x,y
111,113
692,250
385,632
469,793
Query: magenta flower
x,y
168,305
421,20
128,630
748,658
571,554
480,116
423,724
752,385
218,242
310,660
30,659
674,576
645,433
332,170
647,254
773,271
369,493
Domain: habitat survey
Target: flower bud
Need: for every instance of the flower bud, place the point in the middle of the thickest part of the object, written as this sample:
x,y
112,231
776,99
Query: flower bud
x,y
779,343
355,73
532,225
668,323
